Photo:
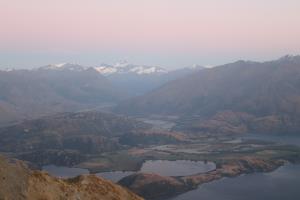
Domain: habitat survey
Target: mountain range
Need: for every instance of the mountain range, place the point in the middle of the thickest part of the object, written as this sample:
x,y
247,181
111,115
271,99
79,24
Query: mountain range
x,y
133,79
243,96
71,87
50,115
122,67
33,93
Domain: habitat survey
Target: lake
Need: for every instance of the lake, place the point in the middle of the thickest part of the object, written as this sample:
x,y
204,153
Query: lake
x,y
64,172
281,184
162,167
177,168
114,176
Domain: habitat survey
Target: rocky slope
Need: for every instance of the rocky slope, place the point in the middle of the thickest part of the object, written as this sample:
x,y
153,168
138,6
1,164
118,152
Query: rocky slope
x,y
20,183
260,97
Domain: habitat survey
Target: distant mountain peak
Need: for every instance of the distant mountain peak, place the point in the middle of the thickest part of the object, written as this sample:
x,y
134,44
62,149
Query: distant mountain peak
x,y
123,67
122,63
196,66
60,65
7,69
105,69
63,66
290,57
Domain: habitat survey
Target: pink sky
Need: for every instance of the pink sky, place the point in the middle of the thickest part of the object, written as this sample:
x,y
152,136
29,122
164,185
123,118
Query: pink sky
x,y
262,26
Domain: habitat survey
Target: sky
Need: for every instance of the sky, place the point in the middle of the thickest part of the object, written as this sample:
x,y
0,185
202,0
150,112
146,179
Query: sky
x,y
170,33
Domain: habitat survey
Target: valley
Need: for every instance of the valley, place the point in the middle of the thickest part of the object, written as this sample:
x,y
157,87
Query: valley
x,y
149,100
231,157
166,143
143,155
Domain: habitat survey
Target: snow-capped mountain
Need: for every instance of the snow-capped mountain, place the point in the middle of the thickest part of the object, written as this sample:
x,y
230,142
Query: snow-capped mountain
x,y
7,69
131,78
64,66
124,67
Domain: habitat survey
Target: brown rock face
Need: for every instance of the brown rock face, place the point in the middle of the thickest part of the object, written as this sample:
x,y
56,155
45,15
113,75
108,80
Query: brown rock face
x,y
20,183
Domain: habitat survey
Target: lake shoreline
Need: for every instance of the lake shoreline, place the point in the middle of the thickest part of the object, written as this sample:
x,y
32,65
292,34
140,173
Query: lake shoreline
x,y
168,187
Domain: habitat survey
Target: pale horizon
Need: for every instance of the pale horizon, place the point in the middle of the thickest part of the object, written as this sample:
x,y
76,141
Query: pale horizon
x,y
167,33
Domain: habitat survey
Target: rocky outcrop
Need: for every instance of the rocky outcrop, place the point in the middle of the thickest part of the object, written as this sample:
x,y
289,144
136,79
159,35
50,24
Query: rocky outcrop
x,y
20,183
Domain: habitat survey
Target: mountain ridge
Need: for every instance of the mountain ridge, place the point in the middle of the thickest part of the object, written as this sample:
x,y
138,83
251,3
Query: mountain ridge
x,y
268,91
35,93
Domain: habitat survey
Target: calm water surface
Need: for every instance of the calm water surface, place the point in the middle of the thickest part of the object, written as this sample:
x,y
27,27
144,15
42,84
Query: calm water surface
x,y
162,167
177,168
114,176
281,184
64,172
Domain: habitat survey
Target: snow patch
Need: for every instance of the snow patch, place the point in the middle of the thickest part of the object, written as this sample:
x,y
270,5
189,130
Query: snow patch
x,y
105,70
59,65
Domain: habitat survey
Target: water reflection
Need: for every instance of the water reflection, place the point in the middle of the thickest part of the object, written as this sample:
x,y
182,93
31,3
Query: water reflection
x,y
177,168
